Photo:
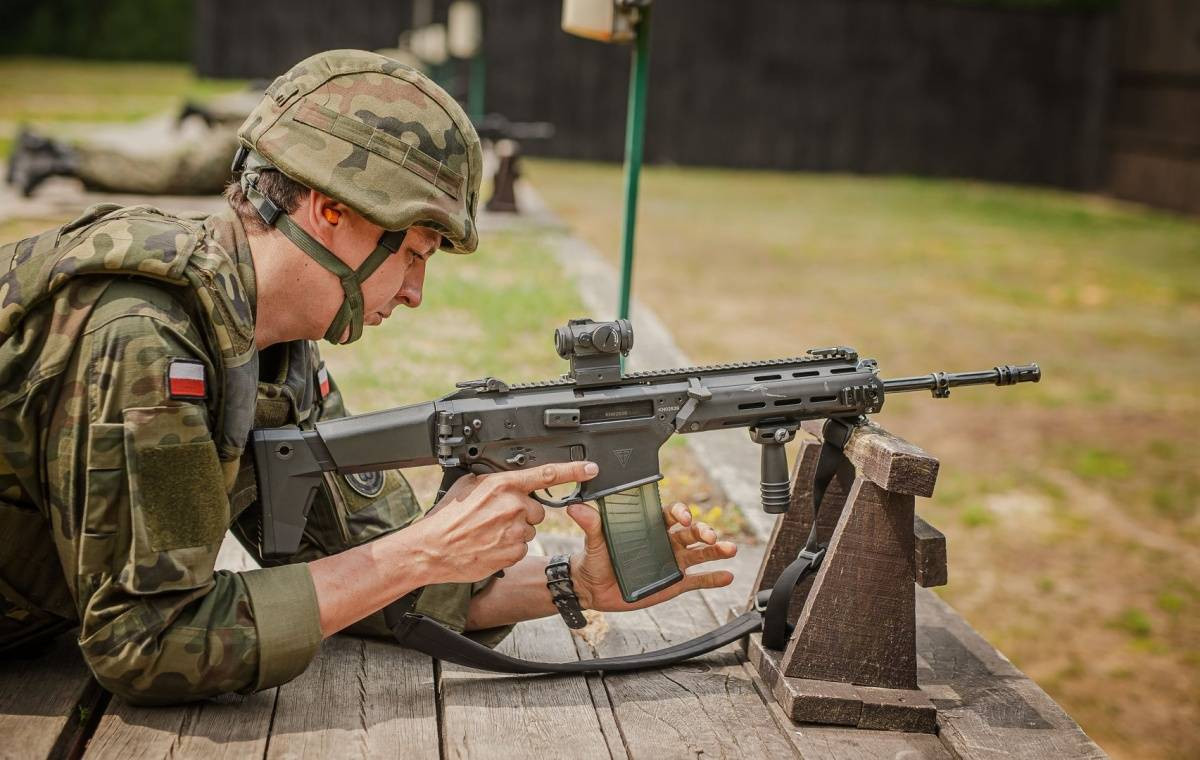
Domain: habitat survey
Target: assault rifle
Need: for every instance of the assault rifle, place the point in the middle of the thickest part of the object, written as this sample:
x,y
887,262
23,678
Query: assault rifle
x,y
596,412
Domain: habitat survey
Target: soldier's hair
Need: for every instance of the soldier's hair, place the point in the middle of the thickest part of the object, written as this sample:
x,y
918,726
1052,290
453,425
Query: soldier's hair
x,y
284,192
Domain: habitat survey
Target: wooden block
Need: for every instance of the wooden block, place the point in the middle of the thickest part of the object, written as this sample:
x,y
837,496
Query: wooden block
x,y
841,704
896,710
929,554
858,623
890,462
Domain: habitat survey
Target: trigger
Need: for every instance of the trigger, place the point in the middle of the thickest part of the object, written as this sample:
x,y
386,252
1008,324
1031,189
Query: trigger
x,y
549,501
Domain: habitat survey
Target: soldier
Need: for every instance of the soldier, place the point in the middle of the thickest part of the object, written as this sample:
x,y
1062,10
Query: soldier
x,y
198,164
138,349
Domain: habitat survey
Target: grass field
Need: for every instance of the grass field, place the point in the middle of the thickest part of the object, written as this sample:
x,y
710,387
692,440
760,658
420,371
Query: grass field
x,y
46,91
1070,506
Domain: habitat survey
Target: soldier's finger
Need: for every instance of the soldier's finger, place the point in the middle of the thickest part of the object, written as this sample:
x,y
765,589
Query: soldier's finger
x,y
682,536
534,512
713,579
695,555
546,475
677,514
696,533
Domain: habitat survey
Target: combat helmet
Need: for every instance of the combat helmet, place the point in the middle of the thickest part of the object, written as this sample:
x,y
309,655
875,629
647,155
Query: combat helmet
x,y
376,135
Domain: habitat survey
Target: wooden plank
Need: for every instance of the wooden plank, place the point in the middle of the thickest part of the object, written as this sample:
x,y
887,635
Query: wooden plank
x,y
706,707
46,702
839,743
890,462
987,708
868,641
489,715
929,554
359,698
230,726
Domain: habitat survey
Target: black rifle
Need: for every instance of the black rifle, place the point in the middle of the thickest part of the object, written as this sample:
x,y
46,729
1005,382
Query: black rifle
x,y
617,420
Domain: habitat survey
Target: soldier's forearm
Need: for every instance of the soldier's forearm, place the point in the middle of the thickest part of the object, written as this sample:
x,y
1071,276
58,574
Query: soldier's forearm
x,y
520,595
358,582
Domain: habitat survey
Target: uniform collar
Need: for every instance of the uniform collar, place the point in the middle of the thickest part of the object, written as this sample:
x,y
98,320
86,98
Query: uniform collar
x,y
225,228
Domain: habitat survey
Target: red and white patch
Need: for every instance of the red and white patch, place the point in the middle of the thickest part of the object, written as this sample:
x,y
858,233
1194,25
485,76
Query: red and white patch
x,y
323,380
185,379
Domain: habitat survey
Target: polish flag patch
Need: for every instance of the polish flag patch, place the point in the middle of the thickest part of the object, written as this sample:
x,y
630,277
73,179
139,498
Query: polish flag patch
x,y
185,379
323,380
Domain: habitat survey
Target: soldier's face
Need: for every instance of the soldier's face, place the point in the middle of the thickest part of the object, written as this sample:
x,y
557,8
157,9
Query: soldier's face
x,y
399,280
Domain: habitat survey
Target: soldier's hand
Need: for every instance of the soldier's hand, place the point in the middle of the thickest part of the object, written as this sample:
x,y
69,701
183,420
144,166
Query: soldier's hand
x,y
484,523
693,542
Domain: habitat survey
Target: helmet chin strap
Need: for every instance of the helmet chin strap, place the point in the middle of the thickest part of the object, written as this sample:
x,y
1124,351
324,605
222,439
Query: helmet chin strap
x,y
351,313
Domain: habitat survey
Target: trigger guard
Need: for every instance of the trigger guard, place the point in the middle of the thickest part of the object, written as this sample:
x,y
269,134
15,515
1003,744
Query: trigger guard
x,y
573,498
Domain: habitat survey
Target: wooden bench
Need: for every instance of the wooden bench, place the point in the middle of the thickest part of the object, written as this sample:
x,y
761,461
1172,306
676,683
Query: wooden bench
x,y
364,698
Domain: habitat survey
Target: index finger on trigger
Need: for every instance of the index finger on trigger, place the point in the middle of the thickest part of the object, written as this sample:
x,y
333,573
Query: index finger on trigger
x,y
556,473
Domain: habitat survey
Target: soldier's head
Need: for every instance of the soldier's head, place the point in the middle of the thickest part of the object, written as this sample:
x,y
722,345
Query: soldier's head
x,y
355,157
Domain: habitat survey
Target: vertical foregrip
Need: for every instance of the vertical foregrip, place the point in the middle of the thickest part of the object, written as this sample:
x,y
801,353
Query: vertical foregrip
x,y
638,543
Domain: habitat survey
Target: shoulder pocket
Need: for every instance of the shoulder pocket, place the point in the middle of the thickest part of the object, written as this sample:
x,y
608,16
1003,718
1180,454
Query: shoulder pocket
x,y
176,484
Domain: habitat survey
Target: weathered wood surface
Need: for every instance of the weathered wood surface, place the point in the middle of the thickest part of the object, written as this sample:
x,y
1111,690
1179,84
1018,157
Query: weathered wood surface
x,y
359,698
987,708
706,707
929,554
46,702
870,561
503,716
891,463
370,699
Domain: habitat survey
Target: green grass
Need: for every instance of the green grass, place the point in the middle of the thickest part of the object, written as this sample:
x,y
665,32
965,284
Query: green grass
x,y
46,90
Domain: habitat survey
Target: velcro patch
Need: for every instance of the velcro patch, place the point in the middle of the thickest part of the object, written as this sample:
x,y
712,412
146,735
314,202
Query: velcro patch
x,y
322,381
186,379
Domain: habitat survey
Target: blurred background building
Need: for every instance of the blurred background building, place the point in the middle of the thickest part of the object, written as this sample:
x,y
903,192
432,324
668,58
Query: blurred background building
x,y
1095,95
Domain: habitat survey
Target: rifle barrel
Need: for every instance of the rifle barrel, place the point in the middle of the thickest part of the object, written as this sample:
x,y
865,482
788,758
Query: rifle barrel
x,y
941,382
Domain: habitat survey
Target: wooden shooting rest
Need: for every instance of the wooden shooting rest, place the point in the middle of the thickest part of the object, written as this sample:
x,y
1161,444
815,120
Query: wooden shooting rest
x,y
851,659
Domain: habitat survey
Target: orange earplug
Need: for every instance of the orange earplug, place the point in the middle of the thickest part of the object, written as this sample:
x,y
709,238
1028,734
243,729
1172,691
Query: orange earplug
x,y
331,216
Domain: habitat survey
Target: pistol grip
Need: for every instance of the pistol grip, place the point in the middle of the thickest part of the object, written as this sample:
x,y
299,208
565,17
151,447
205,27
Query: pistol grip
x,y
638,544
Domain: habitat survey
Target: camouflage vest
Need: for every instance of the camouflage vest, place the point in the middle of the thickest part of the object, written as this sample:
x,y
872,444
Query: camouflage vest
x,y
108,241
141,241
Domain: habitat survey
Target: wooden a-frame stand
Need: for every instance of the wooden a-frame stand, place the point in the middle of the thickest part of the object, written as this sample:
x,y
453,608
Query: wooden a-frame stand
x,y
851,659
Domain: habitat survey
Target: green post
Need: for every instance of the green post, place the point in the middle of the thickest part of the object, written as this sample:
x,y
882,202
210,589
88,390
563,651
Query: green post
x,y
635,128
477,86
477,77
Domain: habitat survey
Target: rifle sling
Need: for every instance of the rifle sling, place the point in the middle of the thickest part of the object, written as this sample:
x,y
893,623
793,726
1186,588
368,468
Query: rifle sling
x,y
423,634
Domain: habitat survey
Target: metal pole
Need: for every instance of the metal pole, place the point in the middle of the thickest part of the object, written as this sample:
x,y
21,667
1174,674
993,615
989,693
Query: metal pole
x,y
476,87
477,78
635,127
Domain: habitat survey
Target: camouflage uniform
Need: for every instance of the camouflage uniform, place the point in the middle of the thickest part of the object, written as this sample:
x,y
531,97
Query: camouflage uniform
x,y
115,496
200,166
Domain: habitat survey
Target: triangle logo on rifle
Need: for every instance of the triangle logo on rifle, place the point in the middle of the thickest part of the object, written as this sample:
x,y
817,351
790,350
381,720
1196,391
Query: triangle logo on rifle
x,y
622,455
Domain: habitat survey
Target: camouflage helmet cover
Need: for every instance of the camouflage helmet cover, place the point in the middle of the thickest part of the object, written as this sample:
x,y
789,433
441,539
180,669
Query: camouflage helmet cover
x,y
376,135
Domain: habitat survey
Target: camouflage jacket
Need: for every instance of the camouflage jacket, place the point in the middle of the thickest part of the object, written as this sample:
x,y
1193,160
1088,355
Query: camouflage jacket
x,y
115,492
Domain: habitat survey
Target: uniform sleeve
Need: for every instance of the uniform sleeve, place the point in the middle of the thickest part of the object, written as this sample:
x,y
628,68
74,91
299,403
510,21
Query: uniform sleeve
x,y
357,509
140,471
